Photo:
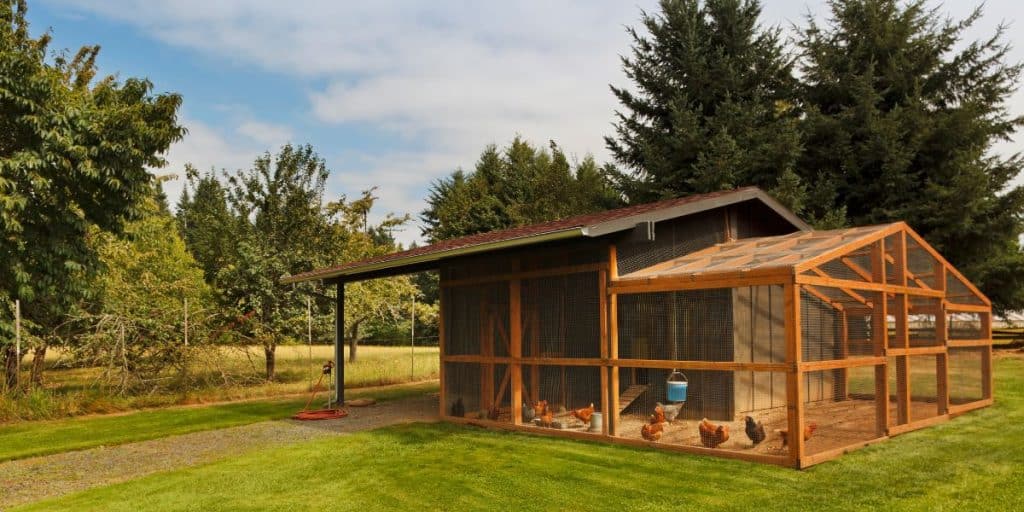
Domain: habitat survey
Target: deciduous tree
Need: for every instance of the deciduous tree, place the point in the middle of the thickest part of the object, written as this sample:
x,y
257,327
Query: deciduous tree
x,y
75,154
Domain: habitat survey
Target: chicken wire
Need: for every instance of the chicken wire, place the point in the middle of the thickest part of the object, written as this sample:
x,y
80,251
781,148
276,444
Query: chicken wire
x,y
924,391
922,265
724,398
478,391
672,238
724,324
965,375
839,408
921,321
570,394
561,316
897,373
958,293
964,326
838,323
476,320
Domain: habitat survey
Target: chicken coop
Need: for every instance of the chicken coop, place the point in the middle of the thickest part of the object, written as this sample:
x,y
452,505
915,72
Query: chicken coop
x,y
718,324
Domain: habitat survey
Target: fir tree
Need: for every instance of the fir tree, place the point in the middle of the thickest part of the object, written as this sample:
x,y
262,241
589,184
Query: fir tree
x,y
901,120
714,106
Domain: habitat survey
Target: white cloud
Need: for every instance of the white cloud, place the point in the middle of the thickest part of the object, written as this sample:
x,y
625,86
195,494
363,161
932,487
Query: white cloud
x,y
207,147
447,76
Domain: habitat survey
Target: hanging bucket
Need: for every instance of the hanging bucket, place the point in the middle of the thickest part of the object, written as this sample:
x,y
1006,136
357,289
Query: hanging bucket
x,y
676,386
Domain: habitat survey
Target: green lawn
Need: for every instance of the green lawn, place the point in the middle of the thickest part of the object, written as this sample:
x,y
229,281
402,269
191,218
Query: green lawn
x,y
23,440
975,462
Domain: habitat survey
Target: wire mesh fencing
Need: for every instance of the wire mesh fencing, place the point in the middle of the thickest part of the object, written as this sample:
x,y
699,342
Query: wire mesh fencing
x,y
966,379
712,413
565,398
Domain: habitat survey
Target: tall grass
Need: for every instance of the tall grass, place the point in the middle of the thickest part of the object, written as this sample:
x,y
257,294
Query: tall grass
x,y
228,374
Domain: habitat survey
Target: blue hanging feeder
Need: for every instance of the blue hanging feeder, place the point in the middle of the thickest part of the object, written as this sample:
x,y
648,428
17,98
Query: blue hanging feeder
x,y
676,386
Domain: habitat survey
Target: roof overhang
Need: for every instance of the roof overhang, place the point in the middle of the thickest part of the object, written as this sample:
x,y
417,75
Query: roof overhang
x,y
419,262
383,266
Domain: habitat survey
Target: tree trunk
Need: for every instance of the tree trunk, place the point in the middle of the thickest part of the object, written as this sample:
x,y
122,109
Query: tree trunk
x,y
268,351
353,342
38,365
11,361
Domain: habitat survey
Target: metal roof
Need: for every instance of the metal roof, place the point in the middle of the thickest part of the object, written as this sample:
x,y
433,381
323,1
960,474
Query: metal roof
x,y
588,225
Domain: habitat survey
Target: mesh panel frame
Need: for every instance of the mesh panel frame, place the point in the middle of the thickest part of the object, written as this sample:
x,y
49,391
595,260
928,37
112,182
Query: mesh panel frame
x,y
561,316
965,375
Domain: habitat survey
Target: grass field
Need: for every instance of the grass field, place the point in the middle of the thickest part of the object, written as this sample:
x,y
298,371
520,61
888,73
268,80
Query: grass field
x,y
231,374
42,438
973,462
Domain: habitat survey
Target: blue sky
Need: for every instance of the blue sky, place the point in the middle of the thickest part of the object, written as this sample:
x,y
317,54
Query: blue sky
x,y
392,94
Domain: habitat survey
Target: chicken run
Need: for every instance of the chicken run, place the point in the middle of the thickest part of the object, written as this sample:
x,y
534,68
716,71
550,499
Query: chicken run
x,y
717,324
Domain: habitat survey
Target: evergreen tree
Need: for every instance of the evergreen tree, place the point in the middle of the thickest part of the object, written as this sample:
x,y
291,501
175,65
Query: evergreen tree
x,y
714,106
513,187
901,119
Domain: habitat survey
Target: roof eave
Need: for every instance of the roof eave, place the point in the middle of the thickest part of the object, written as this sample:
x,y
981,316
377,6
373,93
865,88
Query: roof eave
x,y
576,232
626,223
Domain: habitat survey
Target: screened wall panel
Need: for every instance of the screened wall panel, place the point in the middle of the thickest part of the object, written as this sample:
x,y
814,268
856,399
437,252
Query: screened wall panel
x,y
561,316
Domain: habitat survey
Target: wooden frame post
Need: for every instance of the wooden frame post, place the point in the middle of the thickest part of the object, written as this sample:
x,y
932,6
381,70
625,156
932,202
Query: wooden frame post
x,y
794,377
880,336
515,327
612,390
339,343
987,381
442,309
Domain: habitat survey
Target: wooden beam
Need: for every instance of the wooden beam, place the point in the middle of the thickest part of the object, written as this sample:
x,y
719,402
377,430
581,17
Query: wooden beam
x,y
896,430
874,287
702,365
532,274
880,336
835,364
442,347
857,269
986,358
966,308
968,343
794,381
849,293
902,390
849,247
700,282
915,351
827,455
957,410
516,347
612,414
942,361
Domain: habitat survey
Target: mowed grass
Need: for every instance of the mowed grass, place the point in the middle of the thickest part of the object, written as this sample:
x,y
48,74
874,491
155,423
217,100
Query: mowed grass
x,y
974,462
42,438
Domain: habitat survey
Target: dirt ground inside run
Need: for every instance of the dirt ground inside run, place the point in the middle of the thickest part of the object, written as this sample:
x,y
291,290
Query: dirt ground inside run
x,y
29,480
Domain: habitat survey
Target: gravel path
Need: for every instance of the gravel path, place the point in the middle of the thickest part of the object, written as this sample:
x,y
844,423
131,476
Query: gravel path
x,y
28,480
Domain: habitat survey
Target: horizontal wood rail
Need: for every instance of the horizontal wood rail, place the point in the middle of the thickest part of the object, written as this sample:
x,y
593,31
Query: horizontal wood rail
x,y
873,287
968,343
896,430
529,274
672,284
697,450
916,351
827,455
834,364
966,308
702,365
956,410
